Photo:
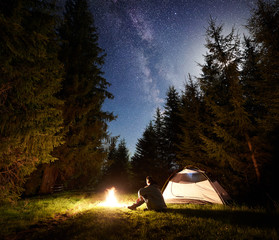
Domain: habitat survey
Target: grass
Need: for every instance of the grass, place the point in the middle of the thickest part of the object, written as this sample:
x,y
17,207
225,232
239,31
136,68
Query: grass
x,y
78,216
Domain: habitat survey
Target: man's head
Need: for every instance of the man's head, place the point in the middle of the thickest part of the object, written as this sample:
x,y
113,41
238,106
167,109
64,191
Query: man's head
x,y
150,180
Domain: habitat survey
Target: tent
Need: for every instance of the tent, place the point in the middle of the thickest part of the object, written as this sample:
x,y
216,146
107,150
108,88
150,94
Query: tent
x,y
192,185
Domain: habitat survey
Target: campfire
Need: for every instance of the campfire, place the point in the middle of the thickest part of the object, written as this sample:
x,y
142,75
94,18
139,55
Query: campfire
x,y
111,200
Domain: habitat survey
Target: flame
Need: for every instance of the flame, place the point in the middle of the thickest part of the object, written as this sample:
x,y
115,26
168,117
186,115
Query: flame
x,y
111,200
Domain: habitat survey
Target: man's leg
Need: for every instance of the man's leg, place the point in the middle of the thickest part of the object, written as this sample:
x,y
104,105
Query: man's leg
x,y
139,202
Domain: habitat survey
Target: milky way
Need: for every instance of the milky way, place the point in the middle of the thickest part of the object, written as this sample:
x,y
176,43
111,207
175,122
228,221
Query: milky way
x,y
150,45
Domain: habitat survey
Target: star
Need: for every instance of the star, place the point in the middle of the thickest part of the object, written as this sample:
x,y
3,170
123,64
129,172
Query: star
x,y
151,46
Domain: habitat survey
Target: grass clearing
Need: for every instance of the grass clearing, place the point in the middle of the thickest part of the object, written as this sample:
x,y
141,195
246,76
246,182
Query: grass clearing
x,y
78,216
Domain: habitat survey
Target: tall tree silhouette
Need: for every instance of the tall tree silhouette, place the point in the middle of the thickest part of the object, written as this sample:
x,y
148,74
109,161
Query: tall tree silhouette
x,y
84,91
264,30
227,139
117,169
193,116
172,121
263,26
143,161
162,166
30,76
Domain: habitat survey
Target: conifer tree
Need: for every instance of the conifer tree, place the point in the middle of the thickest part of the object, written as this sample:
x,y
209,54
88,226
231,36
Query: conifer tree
x,y
143,160
227,139
264,29
117,172
193,117
172,122
112,151
123,166
251,79
30,76
84,91
162,167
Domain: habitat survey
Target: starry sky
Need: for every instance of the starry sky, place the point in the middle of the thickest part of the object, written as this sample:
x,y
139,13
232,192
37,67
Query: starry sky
x,y
151,45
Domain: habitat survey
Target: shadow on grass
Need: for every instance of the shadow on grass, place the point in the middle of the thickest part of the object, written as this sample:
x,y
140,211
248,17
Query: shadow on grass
x,y
83,226
234,217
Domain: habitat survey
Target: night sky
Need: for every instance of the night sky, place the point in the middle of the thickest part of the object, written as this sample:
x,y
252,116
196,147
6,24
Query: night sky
x,y
151,45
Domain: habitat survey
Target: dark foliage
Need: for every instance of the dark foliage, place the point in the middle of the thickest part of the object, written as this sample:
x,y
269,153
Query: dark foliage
x,y
116,172
83,91
143,161
30,77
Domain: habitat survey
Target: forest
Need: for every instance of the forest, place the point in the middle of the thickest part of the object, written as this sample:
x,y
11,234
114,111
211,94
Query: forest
x,y
54,132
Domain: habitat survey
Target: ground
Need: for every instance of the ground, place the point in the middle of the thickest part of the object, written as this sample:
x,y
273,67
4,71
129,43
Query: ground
x,y
80,216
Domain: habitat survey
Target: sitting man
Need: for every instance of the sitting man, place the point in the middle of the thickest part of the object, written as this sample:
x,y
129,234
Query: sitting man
x,y
151,195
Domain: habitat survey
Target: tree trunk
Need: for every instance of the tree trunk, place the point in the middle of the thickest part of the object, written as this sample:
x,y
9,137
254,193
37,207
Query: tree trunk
x,y
49,177
256,167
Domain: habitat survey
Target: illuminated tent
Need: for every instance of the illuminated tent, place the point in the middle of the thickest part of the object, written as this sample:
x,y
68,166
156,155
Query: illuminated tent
x,y
193,186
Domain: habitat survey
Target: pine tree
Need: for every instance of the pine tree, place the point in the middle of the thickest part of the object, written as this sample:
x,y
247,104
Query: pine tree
x,y
112,151
251,79
227,139
264,29
84,91
117,170
143,160
123,164
30,76
162,167
193,117
172,122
